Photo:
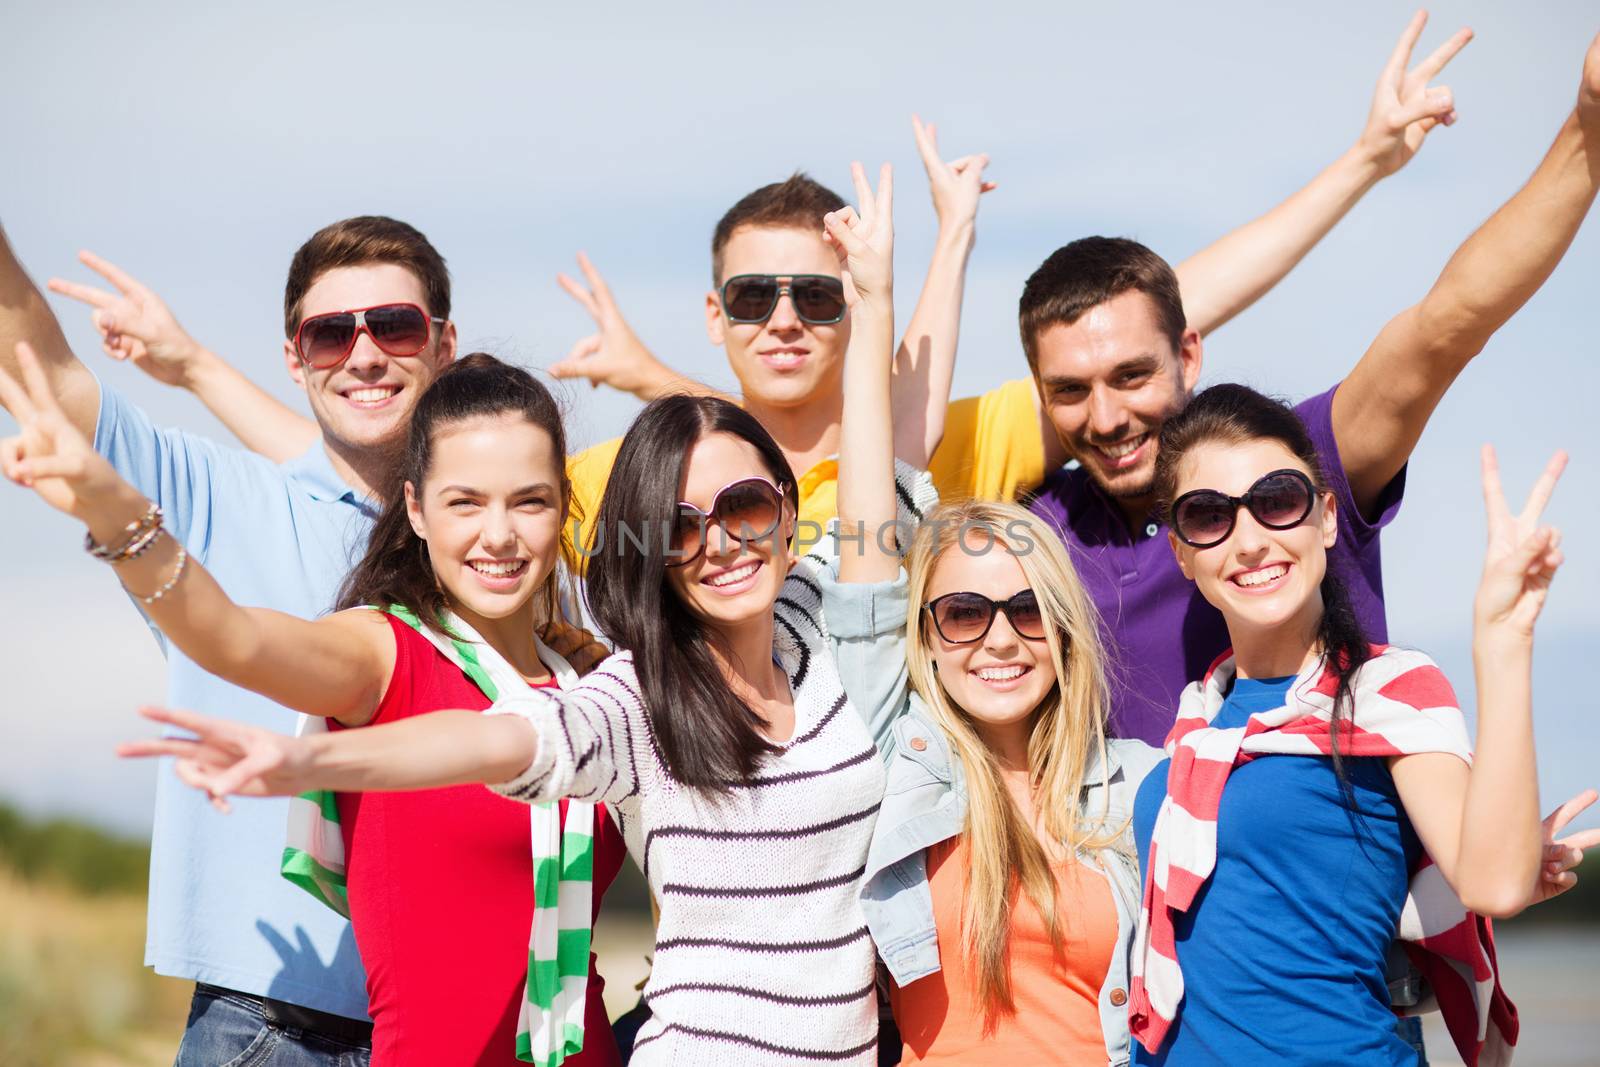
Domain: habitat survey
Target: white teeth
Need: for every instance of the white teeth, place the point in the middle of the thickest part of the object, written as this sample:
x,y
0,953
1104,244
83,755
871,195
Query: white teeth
x,y
1262,576
1001,674
732,577
371,396
1123,448
499,569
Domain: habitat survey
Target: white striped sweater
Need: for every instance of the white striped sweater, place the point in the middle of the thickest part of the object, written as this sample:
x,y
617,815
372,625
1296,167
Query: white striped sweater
x,y
762,952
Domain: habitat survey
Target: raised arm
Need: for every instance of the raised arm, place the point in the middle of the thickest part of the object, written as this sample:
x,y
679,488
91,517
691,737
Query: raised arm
x,y
136,325
1381,409
613,355
1480,824
926,359
337,666
1223,279
25,318
864,242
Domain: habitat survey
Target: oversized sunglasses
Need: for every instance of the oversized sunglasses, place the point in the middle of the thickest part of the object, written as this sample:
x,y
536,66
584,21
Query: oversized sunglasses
x,y
962,618
1280,500
325,341
818,298
749,509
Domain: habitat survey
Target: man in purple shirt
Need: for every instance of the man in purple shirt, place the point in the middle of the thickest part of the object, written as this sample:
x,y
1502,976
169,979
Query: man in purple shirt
x,y
1104,330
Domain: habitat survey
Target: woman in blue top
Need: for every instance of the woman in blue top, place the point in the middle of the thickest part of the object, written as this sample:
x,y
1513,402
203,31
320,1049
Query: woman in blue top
x,y
1280,954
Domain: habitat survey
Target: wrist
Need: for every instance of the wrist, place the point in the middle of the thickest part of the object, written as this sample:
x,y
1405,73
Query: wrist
x,y
1361,165
1501,642
110,513
956,236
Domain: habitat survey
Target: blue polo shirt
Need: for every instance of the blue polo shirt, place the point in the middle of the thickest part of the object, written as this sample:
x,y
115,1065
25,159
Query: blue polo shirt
x,y
276,536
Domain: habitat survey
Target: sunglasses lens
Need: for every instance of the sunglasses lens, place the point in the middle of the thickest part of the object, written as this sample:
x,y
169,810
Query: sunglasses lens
x,y
962,617
398,329
748,510
818,300
1026,618
750,299
688,537
1204,518
1280,500
325,340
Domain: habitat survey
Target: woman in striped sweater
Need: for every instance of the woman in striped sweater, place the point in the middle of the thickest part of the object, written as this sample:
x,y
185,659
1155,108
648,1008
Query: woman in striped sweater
x,y
745,783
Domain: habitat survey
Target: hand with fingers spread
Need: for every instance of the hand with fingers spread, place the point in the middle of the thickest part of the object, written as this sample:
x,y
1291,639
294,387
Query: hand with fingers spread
x,y
1562,854
956,184
1522,556
613,355
135,324
227,758
49,454
864,241
1404,107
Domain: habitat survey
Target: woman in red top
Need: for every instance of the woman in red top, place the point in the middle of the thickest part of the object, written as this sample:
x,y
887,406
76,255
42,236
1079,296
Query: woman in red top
x,y
440,883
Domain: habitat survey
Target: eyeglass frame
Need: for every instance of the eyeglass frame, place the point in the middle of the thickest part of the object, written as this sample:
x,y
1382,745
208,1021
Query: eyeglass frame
x,y
672,554
783,291
995,608
361,327
1243,501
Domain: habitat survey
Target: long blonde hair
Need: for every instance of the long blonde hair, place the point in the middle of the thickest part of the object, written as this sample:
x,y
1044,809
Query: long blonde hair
x,y
1068,727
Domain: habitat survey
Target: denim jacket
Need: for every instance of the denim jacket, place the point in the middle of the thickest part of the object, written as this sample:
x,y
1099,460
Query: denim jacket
x,y
925,800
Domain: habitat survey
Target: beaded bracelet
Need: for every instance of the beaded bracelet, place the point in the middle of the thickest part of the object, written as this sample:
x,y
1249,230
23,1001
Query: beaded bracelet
x,y
177,572
139,545
150,520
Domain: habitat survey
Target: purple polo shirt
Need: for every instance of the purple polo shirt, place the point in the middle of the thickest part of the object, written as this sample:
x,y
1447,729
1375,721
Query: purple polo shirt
x,y
1160,633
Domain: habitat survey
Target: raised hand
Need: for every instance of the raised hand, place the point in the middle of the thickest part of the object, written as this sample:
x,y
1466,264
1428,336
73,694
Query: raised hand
x,y
49,455
1405,107
613,355
226,758
1562,854
957,184
1522,556
864,239
134,323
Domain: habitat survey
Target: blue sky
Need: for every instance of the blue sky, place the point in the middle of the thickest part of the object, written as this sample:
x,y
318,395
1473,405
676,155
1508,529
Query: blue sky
x,y
197,146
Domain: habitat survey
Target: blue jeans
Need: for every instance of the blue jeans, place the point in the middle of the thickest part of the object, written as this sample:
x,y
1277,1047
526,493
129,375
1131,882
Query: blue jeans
x,y
1409,1030
230,1031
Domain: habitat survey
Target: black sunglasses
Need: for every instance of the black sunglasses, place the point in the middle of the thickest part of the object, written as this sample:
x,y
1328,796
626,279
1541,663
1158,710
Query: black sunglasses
x,y
962,618
818,298
1280,500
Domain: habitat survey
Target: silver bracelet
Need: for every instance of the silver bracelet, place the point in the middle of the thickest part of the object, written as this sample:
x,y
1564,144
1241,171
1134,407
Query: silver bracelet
x,y
177,572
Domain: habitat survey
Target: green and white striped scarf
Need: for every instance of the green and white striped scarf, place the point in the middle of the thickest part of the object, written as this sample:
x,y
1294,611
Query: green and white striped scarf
x,y
550,1024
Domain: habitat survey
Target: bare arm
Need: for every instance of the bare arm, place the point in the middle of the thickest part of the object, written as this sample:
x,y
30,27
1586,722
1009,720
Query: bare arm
x,y
1480,825
337,666
1223,279
136,325
1381,409
25,318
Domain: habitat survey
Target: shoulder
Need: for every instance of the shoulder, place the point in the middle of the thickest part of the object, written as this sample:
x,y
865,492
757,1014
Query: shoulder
x,y
1407,675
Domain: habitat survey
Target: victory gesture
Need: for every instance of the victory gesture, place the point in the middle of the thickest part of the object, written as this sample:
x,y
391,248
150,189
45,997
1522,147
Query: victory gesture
x,y
956,185
226,758
1522,556
134,323
49,455
1405,108
864,240
613,355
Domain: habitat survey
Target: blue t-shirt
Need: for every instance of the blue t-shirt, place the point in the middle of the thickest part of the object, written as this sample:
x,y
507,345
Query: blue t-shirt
x,y
1283,950
274,536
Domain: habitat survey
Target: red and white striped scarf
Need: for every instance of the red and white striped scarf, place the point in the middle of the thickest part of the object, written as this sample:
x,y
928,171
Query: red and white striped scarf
x,y
1402,704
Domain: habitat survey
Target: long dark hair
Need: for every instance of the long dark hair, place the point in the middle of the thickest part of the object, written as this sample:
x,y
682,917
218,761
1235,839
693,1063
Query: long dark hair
x,y
396,568
1235,414
709,738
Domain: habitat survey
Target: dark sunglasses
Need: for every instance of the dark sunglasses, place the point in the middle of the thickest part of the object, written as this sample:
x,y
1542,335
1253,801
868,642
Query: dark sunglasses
x,y
749,509
818,298
325,341
1280,500
962,618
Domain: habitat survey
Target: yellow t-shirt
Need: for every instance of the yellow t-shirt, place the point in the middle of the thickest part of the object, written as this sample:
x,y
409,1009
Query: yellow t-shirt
x,y
990,450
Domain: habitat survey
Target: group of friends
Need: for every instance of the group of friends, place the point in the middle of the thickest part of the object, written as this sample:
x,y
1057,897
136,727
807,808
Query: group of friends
x,y
932,746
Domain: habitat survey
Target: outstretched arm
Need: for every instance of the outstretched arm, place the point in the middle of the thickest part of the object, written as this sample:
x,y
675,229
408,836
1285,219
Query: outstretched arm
x,y
1223,279
25,318
136,325
336,666
1381,409
926,359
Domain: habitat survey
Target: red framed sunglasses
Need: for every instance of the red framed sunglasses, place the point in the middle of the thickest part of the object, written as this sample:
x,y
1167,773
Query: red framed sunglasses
x,y
325,341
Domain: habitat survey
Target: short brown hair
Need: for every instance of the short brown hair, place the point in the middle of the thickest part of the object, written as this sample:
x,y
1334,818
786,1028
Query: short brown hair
x,y
357,242
798,202
1087,273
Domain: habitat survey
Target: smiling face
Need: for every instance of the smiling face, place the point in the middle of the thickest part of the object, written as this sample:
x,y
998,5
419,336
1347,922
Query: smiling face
x,y
1109,381
1262,580
783,362
730,582
367,400
1000,680
491,512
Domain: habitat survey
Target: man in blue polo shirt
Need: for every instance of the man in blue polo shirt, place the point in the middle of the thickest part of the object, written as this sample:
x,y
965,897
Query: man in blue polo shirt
x,y
1113,358
366,319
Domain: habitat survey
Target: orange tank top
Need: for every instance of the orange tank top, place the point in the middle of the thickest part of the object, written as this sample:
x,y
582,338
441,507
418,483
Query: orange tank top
x,y
1057,1018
